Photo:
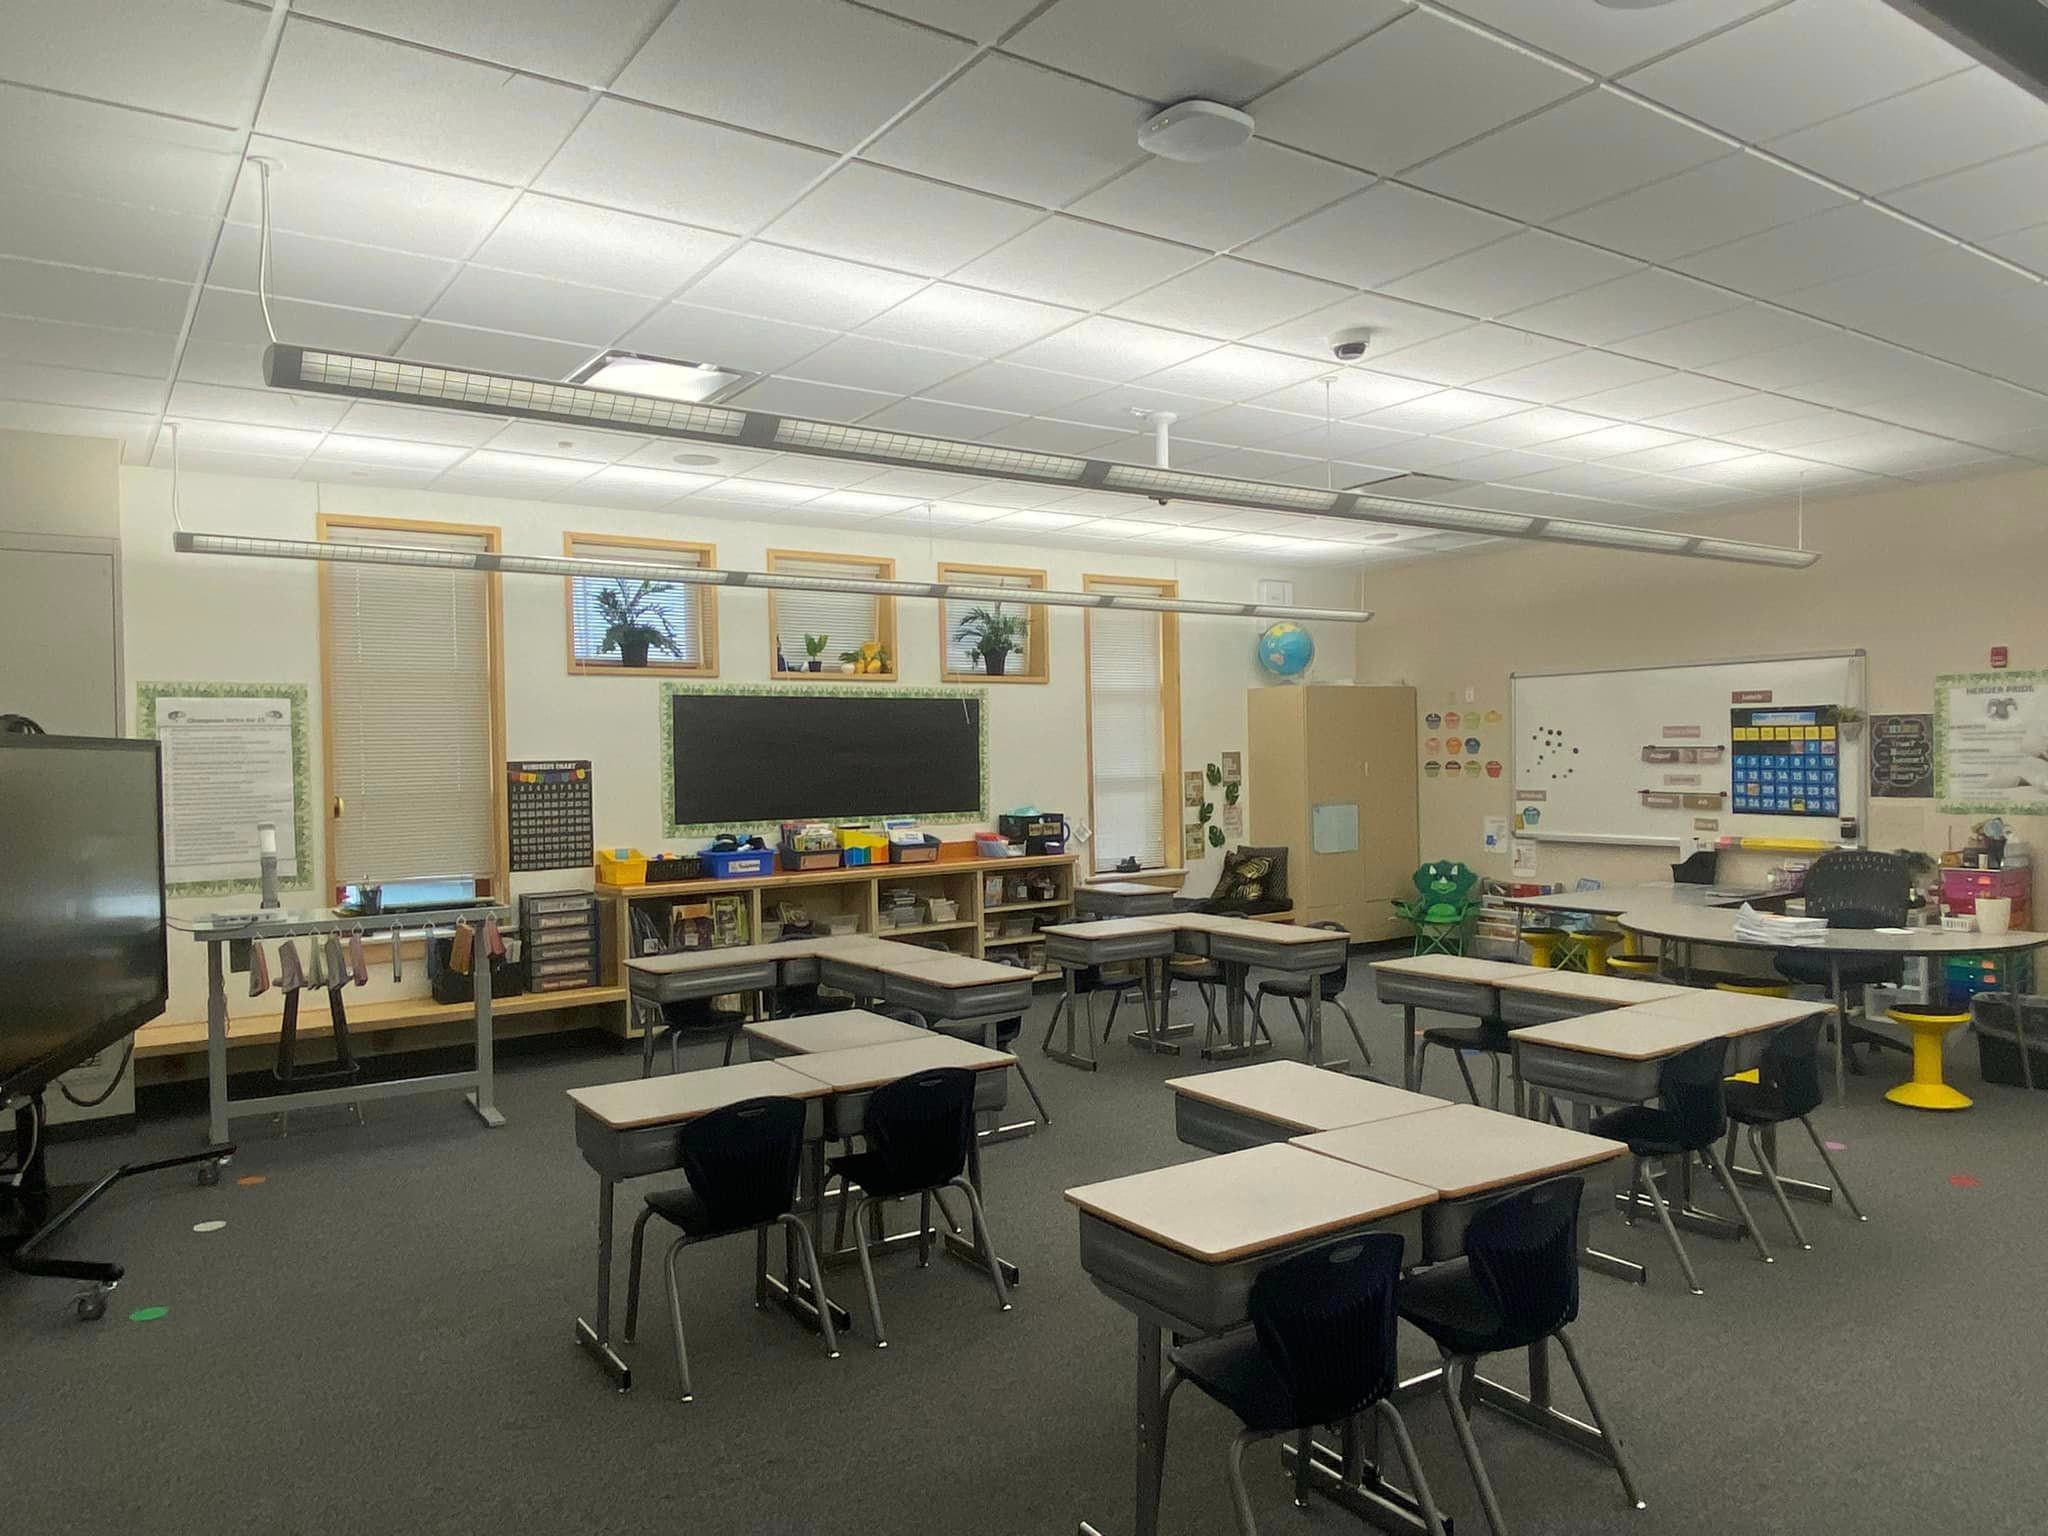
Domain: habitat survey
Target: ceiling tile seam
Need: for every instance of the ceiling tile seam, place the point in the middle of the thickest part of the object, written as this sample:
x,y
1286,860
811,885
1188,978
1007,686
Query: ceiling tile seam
x,y
1534,51
87,99
413,44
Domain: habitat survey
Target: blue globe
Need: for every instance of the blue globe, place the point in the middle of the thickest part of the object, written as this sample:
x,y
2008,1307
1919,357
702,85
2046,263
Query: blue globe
x,y
1286,650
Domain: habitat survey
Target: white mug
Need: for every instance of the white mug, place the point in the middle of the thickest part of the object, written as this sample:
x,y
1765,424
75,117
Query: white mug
x,y
1994,914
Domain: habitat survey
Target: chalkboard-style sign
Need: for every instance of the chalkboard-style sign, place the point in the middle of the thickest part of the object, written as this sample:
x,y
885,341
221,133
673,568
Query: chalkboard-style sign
x,y
1902,756
740,757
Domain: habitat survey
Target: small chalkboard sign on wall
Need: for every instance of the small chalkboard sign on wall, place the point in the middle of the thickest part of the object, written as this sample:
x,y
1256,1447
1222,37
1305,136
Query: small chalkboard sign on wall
x,y
1902,757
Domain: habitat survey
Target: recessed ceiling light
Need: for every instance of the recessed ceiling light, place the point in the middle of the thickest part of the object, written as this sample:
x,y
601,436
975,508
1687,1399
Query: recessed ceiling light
x,y
664,378
697,458
1196,130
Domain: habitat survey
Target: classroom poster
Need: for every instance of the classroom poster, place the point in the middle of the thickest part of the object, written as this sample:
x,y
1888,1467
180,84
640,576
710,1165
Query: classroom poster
x,y
234,756
1901,757
1991,743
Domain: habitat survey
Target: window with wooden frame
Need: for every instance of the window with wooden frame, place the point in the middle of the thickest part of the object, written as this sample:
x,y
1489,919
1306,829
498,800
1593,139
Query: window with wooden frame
x,y
413,709
841,625
972,629
676,624
1133,660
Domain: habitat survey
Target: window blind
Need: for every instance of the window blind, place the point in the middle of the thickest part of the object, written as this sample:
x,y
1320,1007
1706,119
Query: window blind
x,y
681,609
410,749
1127,727
961,656
847,620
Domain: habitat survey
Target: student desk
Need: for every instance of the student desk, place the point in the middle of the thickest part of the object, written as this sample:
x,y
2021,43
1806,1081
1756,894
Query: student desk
x,y
1274,1100
1613,900
628,1130
1537,996
1447,983
1122,898
771,1039
1179,1247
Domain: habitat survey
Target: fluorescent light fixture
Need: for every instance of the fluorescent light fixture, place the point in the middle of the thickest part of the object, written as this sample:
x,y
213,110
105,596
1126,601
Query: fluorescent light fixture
x,y
636,373
487,562
504,395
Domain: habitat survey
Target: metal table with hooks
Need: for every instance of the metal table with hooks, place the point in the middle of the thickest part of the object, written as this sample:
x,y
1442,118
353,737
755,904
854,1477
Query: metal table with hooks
x,y
219,931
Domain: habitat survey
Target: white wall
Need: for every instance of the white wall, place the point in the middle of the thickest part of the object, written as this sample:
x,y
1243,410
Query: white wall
x,y
196,618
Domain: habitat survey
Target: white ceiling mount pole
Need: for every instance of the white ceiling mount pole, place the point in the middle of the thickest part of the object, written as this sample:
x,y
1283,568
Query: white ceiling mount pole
x,y
1162,425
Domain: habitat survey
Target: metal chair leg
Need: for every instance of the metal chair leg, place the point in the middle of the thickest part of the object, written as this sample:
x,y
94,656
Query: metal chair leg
x,y
675,1051
1756,1149
1471,1088
867,1267
988,1242
1713,1161
1240,1499
1364,1054
809,1250
1833,1172
633,1275
924,1230
1421,1056
675,1318
1615,1453
1032,1089
1468,1445
1635,1190
1494,1057
1413,1464
760,1268
1692,1280
1294,1007
730,1036
1116,1001
1052,1025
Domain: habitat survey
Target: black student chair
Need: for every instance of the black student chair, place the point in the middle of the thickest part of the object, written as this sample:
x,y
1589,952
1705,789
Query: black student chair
x,y
1320,1350
1007,1031
1852,888
690,1018
1690,1116
1788,1088
1517,1285
1207,977
1088,981
1295,990
1490,1036
741,1162
919,1131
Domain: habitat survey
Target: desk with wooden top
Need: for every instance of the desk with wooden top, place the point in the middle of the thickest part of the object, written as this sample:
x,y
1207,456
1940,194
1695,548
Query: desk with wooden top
x,y
1178,1248
1275,1100
772,1039
1538,995
1461,984
1122,898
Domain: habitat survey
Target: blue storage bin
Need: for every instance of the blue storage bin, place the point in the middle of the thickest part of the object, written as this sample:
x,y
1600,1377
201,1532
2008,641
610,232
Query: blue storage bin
x,y
738,863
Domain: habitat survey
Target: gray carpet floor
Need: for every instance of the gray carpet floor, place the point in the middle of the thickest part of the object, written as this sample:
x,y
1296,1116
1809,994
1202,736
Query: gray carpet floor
x,y
380,1339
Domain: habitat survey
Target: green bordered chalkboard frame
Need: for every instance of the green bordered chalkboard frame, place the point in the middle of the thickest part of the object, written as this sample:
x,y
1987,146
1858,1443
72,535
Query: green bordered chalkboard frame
x,y
671,828
294,694
1943,683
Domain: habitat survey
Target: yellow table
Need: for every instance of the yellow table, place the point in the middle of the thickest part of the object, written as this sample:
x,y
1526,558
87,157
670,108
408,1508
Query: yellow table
x,y
1928,1090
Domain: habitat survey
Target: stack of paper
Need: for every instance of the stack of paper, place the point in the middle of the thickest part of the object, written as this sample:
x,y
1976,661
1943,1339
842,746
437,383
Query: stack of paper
x,y
1754,927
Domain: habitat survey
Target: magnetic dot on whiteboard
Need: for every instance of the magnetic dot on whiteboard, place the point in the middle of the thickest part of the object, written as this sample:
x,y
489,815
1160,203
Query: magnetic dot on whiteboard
x,y
208,1226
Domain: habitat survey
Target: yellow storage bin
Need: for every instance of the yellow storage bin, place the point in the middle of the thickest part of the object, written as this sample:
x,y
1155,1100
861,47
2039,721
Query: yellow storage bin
x,y
621,866
863,846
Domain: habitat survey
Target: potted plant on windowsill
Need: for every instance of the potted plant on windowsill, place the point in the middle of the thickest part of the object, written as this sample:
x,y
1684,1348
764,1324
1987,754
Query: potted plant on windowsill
x,y
814,648
993,635
635,623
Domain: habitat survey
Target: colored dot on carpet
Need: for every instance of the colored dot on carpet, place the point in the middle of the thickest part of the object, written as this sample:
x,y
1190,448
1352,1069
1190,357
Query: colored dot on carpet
x,y
208,1226
148,1314
1838,1146
1962,1181
251,1180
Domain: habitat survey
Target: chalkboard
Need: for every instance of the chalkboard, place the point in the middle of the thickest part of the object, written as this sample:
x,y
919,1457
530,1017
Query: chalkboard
x,y
740,758
1902,757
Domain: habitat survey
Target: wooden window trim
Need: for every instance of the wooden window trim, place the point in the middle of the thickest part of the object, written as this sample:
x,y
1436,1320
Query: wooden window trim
x,y
1169,711
500,875
885,619
1037,655
707,619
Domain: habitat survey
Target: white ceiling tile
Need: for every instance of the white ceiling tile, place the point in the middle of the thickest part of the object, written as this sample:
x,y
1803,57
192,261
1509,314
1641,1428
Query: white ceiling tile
x,y
1658,396
1239,373
628,485
189,58
893,220
292,443
1353,391
256,407
981,20
355,473
486,471
1500,464
1415,455
461,346
1387,102
1991,199
1609,443
1070,261
1445,410
817,71
229,461
232,318
1829,245
799,287
1008,387
101,348
1353,442
861,362
822,402
1576,479
85,148
548,237
667,453
586,42
1525,269
1121,405
1799,432
330,271
959,319
1379,234
374,418
1254,464
1476,352
339,451
1803,362
1392,323
1169,50
1686,453
46,385
339,196
793,469
39,291
1241,426
924,484
1220,203
1047,436
1582,151
372,96
1114,350
1808,61
1586,372
1230,298
2028,247
508,301
112,237
1609,39
1715,338
940,418
624,155
555,440
1960,121
1526,429
1733,415
700,335
1647,300
1081,134
1720,201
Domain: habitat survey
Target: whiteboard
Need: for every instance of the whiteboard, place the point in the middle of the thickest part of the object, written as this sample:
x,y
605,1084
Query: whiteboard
x,y
1650,755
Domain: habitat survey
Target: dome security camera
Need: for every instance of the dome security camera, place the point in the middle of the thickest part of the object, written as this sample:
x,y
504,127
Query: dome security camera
x,y
1349,346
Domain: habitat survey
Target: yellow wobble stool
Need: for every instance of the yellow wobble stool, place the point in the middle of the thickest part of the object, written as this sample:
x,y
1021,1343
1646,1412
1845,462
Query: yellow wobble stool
x,y
1928,1090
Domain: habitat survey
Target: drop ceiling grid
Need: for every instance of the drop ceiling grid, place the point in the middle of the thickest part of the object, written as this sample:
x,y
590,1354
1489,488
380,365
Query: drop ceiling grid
x,y
1374,20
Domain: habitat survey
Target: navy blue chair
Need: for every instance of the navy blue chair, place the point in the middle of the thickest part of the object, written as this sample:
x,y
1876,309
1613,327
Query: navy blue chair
x,y
1788,1088
919,1132
1517,1285
1320,1350
1296,988
741,1162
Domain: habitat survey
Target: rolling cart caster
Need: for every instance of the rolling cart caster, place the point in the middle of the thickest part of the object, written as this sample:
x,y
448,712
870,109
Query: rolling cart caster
x,y
91,1304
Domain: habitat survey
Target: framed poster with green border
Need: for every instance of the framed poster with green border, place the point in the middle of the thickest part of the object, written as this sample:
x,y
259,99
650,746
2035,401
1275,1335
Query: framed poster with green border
x,y
670,692
234,756
1991,743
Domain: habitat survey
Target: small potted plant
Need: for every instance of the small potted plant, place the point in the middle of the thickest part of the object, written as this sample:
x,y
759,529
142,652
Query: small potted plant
x,y
814,647
1849,720
870,657
993,634
634,621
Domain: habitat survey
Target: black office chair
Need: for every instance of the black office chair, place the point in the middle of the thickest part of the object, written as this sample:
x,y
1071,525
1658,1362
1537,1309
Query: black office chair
x,y
1690,1116
1517,1285
919,1131
1295,990
1788,1088
1489,1035
741,1163
1852,888
1320,1350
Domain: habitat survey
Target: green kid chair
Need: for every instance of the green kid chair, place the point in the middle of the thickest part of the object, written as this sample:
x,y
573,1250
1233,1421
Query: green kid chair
x,y
1442,904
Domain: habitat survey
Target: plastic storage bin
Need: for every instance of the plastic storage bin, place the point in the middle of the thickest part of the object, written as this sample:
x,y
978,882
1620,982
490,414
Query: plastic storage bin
x,y
737,864
621,866
863,847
